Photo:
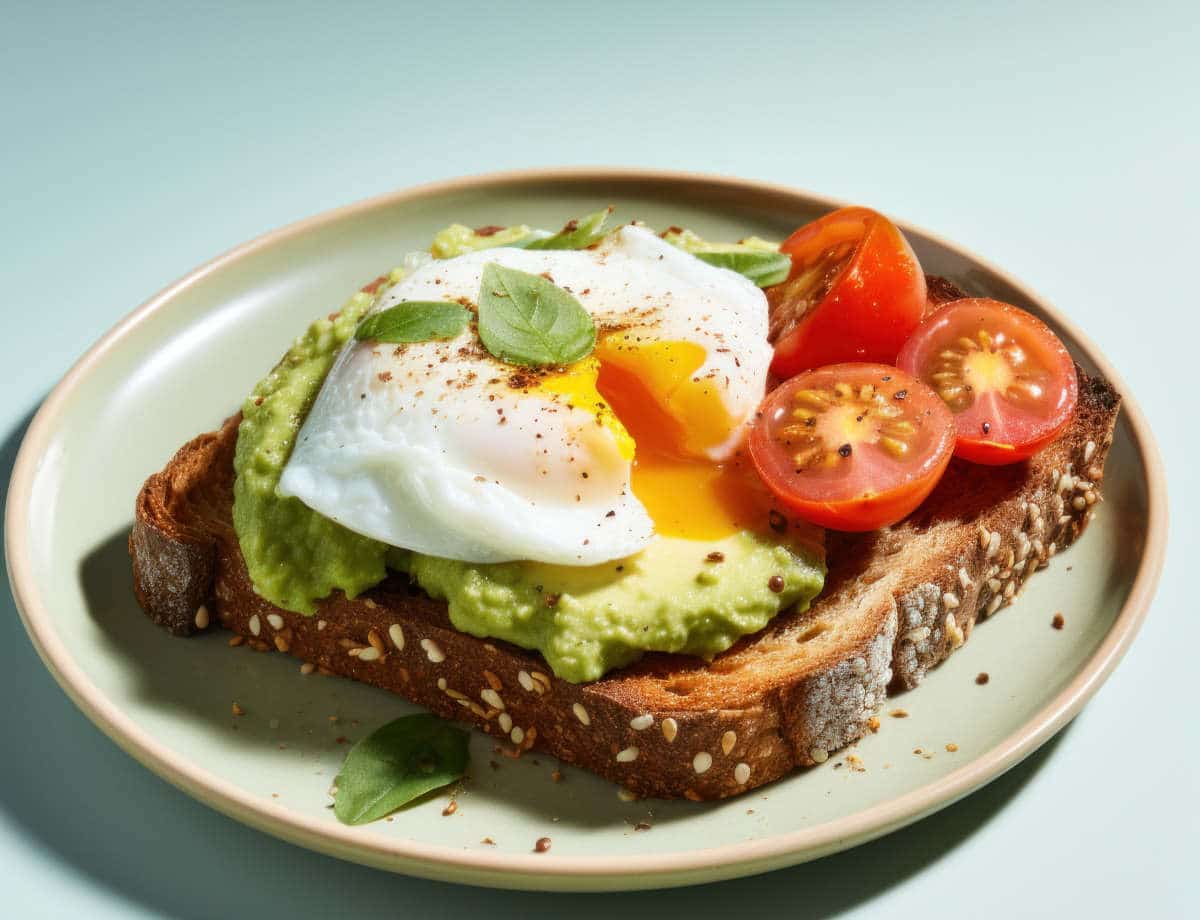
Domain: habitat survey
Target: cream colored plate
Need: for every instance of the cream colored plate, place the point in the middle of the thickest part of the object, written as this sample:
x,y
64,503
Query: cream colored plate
x,y
184,360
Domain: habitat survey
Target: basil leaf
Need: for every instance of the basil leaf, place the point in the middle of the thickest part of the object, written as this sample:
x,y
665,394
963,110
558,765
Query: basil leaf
x,y
414,321
525,319
577,234
397,763
534,236
763,268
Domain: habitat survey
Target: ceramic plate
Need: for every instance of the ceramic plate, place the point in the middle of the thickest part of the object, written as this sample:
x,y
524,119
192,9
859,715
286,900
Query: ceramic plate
x,y
183,361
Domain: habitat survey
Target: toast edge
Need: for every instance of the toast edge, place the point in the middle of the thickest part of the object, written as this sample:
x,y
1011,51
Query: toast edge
x,y
937,617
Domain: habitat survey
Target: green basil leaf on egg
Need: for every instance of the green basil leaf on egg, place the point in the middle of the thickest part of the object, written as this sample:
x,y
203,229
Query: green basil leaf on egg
x,y
763,268
528,320
414,321
577,234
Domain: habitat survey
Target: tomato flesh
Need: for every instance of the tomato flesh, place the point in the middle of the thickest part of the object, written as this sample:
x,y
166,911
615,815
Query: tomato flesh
x,y
852,446
855,293
1005,375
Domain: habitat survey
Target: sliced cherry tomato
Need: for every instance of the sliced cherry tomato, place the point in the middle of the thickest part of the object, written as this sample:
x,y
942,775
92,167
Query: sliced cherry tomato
x,y
852,446
855,293
1007,378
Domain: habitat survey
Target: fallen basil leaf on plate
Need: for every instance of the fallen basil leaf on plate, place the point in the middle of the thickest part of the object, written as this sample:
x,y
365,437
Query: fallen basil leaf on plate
x,y
414,321
577,234
763,268
397,763
525,319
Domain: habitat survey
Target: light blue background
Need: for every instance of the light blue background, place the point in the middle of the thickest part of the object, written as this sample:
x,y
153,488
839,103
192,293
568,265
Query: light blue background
x,y
1061,140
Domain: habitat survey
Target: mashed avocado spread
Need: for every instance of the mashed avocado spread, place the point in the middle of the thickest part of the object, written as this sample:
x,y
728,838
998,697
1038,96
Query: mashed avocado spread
x,y
294,555
669,597
676,595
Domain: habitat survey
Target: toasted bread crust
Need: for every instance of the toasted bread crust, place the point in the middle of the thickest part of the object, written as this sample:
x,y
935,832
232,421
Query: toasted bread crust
x,y
897,602
173,543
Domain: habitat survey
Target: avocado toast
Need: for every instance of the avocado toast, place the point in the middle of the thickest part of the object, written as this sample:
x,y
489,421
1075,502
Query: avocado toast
x,y
896,602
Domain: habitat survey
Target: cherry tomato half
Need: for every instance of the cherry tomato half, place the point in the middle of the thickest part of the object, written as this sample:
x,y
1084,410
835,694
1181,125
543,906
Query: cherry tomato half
x,y
855,293
1007,378
852,446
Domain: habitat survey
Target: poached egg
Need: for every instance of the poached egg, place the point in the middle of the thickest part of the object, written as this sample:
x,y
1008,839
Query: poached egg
x,y
440,448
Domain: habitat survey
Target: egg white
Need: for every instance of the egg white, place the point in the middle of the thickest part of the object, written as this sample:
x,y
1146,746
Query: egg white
x,y
428,447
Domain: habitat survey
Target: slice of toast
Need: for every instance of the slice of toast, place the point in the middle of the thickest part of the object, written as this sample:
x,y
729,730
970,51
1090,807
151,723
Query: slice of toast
x,y
896,602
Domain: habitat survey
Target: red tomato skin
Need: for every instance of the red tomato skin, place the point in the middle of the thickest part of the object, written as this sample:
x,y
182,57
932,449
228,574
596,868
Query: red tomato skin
x,y
970,444
991,453
860,515
872,307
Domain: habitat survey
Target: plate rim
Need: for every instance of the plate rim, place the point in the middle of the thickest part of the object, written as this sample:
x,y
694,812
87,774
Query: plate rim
x,y
529,870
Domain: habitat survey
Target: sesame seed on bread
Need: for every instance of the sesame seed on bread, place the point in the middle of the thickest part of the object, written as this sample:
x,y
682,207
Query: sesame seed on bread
x,y
896,603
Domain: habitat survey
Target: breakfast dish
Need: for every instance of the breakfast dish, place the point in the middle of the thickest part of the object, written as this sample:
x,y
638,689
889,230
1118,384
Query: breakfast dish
x,y
260,736
677,512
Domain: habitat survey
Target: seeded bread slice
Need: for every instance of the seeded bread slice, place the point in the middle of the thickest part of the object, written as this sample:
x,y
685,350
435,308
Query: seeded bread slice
x,y
897,602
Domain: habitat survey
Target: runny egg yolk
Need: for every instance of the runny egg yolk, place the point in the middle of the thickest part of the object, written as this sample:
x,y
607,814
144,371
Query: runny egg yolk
x,y
665,417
